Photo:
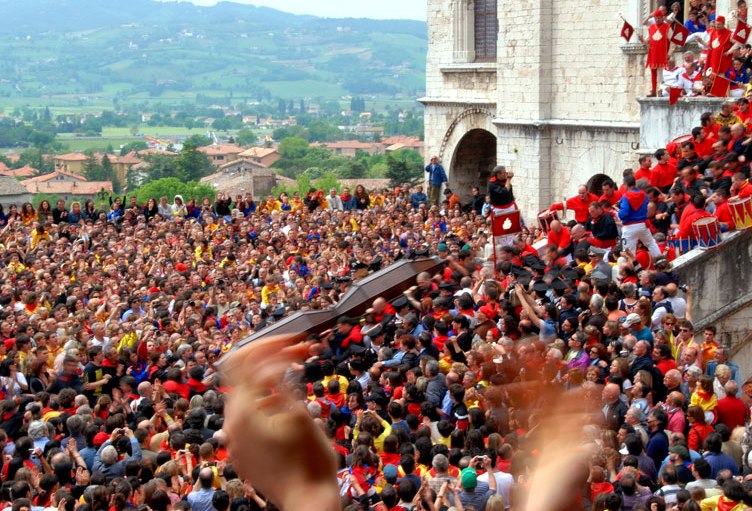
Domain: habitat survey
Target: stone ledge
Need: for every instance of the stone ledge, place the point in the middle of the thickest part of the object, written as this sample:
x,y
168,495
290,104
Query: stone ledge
x,y
456,103
470,67
566,123
634,49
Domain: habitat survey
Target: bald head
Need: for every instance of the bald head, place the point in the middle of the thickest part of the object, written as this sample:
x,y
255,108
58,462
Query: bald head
x,y
379,304
611,393
672,379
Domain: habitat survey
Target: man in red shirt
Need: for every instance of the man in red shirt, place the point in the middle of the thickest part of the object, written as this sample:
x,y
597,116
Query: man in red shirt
x,y
744,113
643,172
722,213
610,193
703,142
559,236
579,204
692,212
731,410
663,174
740,187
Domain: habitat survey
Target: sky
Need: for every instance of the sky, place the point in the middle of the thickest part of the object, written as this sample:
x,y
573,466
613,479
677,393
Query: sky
x,y
382,9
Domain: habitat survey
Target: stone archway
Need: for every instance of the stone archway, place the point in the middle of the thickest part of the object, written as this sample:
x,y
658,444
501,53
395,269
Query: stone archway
x,y
595,183
474,158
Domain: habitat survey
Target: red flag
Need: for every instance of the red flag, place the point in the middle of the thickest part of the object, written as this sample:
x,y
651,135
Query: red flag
x,y
627,30
720,86
673,95
680,34
741,33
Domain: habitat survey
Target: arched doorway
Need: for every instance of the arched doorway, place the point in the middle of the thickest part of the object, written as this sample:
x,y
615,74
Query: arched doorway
x,y
595,183
473,160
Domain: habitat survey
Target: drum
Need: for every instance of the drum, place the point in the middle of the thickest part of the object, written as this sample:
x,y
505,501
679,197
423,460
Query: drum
x,y
707,232
545,218
680,245
741,212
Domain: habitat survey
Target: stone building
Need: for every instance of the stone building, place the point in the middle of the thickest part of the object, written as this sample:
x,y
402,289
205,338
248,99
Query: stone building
x,y
548,89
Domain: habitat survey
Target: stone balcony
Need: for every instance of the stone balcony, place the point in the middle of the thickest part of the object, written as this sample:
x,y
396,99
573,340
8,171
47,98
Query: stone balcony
x,y
660,122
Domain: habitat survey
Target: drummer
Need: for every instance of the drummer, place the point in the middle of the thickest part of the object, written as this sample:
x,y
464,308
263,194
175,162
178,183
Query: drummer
x,y
579,204
722,212
694,211
741,187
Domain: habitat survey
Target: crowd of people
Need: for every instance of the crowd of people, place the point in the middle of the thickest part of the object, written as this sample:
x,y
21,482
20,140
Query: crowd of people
x,y
566,377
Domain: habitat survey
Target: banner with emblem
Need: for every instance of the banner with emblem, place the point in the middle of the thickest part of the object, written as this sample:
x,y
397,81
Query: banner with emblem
x,y
679,34
506,223
741,33
627,30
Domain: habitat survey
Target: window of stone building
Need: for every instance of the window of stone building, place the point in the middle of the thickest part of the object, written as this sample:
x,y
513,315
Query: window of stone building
x,y
486,30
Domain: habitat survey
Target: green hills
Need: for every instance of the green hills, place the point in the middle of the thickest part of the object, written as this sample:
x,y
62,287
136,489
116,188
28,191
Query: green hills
x,y
82,53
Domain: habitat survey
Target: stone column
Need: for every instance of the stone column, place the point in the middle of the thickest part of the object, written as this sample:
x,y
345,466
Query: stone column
x,y
524,82
463,30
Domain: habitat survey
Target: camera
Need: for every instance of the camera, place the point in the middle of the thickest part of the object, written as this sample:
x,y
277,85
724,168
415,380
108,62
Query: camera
x,y
683,287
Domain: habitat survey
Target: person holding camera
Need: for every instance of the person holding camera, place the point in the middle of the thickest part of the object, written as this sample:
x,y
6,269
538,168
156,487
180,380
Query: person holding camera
x,y
436,178
107,460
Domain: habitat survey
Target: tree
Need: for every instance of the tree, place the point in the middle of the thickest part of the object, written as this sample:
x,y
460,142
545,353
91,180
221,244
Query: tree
x,y
138,145
401,170
109,174
92,169
323,132
134,130
171,186
355,169
197,140
192,164
222,124
245,136
293,147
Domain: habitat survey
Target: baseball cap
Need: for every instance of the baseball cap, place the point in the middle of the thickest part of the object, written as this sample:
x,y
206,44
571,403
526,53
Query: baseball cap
x,y
632,319
469,478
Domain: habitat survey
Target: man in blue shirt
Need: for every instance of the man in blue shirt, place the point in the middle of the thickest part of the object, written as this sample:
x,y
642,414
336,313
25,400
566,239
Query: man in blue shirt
x,y
418,198
200,498
436,178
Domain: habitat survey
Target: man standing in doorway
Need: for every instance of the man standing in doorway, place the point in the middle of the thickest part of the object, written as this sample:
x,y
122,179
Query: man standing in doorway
x,y
436,177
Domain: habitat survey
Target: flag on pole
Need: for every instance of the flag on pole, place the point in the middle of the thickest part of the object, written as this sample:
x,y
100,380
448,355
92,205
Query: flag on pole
x,y
680,34
673,95
627,30
741,33
720,86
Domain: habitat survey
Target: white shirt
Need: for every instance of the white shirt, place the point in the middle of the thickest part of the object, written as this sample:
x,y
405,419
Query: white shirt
x,y
504,483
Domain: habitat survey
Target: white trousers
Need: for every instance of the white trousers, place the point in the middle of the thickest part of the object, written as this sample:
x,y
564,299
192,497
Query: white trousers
x,y
634,232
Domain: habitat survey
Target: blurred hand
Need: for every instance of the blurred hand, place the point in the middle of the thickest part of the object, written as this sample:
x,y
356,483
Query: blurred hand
x,y
272,439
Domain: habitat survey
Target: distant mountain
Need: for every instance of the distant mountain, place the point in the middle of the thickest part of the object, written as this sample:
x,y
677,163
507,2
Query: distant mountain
x,y
142,49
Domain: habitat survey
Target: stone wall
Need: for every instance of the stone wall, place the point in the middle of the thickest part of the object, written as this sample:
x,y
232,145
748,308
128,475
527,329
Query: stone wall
x,y
660,122
722,279
561,100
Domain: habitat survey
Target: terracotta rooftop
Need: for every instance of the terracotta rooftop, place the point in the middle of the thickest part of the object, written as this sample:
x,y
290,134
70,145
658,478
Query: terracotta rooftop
x,y
11,186
25,171
144,152
402,139
219,149
68,187
52,175
71,157
258,152
350,144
